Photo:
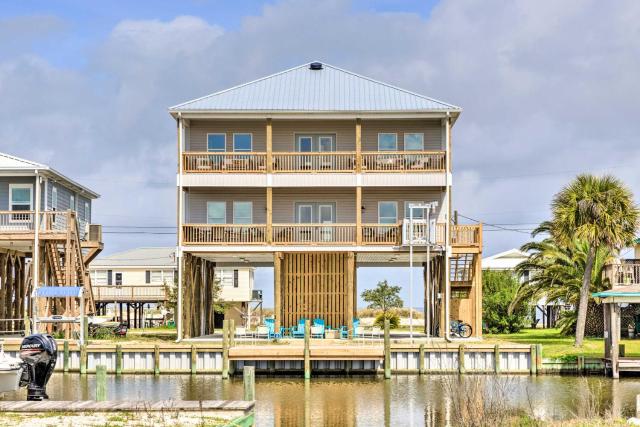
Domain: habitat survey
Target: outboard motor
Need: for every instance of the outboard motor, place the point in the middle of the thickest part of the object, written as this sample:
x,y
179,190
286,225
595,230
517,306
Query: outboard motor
x,y
39,353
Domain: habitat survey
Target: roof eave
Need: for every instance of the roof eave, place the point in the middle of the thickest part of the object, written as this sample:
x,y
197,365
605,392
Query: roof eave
x,y
188,114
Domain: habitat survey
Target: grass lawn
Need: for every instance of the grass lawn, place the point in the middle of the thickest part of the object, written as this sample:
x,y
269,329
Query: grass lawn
x,y
556,345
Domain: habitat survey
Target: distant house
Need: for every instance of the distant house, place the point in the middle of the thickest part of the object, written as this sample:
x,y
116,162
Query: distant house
x,y
546,312
140,279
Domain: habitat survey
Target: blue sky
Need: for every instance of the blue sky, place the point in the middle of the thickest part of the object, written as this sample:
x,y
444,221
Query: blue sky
x,y
549,89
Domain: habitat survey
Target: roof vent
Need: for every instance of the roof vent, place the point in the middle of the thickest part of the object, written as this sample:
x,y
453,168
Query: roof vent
x,y
315,66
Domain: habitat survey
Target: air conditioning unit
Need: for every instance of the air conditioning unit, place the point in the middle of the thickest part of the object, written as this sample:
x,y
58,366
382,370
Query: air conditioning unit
x,y
423,232
95,232
256,295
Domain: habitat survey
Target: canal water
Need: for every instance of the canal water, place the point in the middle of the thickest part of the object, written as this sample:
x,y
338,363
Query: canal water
x,y
409,400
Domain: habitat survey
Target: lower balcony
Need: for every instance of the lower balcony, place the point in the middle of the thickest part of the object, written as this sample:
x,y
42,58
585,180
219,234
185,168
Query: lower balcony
x,y
330,234
625,273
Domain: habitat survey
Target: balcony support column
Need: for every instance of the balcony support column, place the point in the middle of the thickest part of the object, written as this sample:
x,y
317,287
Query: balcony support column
x,y
269,231
277,289
358,146
269,147
359,215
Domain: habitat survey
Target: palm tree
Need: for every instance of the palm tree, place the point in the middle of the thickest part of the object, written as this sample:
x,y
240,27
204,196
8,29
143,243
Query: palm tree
x,y
556,272
600,212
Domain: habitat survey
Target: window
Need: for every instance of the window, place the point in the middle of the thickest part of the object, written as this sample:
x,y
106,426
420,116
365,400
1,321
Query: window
x,y
387,142
315,143
325,143
224,277
72,202
460,293
387,212
216,142
236,282
305,214
118,279
242,141
167,277
305,144
216,212
54,198
417,213
325,214
147,276
315,213
413,141
20,199
242,212
87,212
156,276
99,277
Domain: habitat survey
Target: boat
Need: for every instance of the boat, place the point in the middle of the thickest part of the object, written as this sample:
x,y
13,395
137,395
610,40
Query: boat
x,y
10,372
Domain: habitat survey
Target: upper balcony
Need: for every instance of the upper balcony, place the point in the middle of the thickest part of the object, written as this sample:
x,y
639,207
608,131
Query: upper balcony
x,y
319,162
54,225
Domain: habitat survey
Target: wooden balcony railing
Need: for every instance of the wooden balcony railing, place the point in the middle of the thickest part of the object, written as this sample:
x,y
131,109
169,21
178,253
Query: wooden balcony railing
x,y
212,234
627,273
381,234
213,162
141,292
334,161
315,162
314,234
403,161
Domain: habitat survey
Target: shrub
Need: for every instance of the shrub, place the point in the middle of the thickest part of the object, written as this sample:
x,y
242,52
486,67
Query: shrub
x,y
394,320
499,289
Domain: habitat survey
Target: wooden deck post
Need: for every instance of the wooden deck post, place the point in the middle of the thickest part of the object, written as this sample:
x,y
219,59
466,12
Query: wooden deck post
x,y
307,355
156,359
118,359
387,350
225,349
249,382
533,356
358,147
269,144
615,337
65,357
421,359
269,236
83,359
194,359
277,289
358,215
351,266
101,383
461,367
496,358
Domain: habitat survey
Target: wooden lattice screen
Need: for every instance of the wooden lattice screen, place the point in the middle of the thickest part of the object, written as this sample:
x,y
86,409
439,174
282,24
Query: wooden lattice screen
x,y
316,285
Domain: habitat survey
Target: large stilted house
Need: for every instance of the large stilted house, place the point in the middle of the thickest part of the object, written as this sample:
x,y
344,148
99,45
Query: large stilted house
x,y
45,220
318,172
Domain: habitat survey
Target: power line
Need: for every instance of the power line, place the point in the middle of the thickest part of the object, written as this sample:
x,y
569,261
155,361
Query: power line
x,y
495,225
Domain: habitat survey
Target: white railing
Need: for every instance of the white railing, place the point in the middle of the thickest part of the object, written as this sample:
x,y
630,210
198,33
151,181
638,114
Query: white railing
x,y
314,233
129,292
625,274
314,162
16,221
423,232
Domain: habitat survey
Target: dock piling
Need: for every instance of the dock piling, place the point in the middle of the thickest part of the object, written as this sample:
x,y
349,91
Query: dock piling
x,y
387,350
194,359
65,357
421,359
249,382
533,357
496,359
539,359
232,332
225,349
156,360
83,359
461,368
307,355
101,383
637,405
118,359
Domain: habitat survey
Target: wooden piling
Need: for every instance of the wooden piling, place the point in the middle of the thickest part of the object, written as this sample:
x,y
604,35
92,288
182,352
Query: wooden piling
x,y
387,350
118,359
307,354
539,359
496,358
65,356
156,360
637,405
83,359
533,356
249,382
225,349
101,383
27,326
232,332
580,363
85,328
421,359
194,359
461,368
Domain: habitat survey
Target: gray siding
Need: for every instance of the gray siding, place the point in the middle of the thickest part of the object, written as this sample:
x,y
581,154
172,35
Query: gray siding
x,y
432,130
285,199
64,198
4,189
285,131
371,197
197,133
197,203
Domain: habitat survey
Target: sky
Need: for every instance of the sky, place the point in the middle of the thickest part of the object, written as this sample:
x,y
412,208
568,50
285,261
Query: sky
x,y
549,89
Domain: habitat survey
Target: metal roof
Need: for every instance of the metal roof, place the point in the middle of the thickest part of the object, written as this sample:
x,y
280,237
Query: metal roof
x,y
11,164
139,257
329,89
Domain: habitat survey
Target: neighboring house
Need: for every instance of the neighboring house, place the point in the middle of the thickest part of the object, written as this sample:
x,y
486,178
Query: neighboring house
x,y
136,280
546,312
312,171
45,218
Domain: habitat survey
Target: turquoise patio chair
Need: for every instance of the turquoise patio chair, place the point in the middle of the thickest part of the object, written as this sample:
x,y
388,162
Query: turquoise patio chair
x,y
298,331
318,328
344,330
271,325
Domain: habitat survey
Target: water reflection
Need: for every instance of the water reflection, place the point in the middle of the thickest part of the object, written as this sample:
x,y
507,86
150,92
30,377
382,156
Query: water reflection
x,y
365,401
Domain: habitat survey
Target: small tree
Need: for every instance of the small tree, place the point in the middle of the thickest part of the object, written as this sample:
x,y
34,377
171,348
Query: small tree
x,y
499,288
383,297
219,306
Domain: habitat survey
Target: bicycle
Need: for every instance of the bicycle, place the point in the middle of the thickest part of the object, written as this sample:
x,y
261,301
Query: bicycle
x,y
460,329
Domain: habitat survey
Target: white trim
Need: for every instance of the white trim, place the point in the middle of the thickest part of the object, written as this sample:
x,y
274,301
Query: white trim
x,y
224,202
233,142
412,202
17,186
216,133
404,140
234,211
387,201
388,133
